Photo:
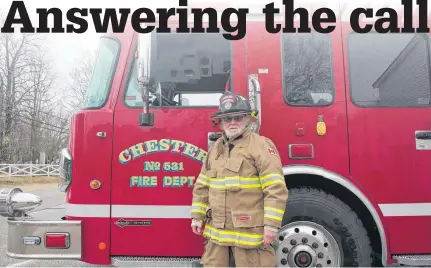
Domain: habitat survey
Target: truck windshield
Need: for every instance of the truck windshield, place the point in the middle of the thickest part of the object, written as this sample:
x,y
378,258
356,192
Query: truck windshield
x,y
103,72
185,69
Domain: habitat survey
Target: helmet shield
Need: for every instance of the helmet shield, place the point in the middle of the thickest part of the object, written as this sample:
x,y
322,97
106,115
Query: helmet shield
x,y
232,104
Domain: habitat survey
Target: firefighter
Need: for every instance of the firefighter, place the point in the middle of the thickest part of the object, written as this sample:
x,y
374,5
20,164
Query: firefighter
x,y
240,195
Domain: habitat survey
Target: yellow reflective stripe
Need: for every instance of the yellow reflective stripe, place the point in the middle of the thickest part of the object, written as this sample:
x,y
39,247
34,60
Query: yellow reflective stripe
x,y
199,208
271,179
273,213
228,182
228,236
273,217
271,183
241,182
199,204
202,179
199,211
280,211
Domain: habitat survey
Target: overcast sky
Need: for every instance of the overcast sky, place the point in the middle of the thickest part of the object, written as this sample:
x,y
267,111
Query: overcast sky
x,y
64,48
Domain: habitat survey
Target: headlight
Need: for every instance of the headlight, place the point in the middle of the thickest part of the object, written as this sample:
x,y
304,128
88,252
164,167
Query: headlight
x,y
65,177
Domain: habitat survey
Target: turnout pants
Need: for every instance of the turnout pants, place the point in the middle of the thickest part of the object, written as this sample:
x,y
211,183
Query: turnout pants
x,y
218,256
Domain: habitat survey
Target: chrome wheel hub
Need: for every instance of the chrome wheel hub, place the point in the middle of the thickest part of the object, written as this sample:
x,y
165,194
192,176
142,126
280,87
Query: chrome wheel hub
x,y
306,244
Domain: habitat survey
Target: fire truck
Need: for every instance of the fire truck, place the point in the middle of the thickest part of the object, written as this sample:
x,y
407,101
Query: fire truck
x,y
341,107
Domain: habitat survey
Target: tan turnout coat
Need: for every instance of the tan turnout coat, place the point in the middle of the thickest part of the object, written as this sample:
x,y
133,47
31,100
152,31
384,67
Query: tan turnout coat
x,y
239,191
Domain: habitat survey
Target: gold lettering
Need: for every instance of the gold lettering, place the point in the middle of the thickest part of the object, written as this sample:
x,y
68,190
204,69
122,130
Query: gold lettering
x,y
137,150
164,145
190,150
178,181
143,181
176,146
200,156
167,181
124,157
151,146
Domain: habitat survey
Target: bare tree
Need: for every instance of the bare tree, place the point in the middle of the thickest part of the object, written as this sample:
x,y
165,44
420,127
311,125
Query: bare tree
x,y
16,50
34,119
40,80
30,121
80,81
307,69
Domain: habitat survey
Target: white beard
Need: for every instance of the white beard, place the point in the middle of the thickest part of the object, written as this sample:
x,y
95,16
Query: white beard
x,y
232,134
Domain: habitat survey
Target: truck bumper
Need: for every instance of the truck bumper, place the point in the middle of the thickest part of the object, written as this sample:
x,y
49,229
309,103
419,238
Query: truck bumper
x,y
28,239
36,239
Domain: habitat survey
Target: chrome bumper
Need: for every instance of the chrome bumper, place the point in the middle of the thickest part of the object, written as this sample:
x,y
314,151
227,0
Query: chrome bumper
x,y
27,238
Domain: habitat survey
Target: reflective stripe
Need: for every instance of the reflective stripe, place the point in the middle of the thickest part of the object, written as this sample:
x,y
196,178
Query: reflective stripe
x,y
273,213
128,211
241,182
199,208
203,180
90,211
271,179
229,182
183,212
406,209
232,237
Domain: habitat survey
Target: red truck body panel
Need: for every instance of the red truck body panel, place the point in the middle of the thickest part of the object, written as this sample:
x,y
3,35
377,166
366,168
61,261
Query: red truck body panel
x,y
372,147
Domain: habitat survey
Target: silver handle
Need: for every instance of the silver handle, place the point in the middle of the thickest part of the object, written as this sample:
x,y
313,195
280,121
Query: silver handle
x,y
101,134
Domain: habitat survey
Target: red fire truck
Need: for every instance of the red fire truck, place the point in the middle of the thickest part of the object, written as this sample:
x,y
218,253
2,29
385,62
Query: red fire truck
x,y
341,108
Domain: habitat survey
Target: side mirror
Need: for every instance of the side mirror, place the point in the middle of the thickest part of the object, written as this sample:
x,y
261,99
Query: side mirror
x,y
146,118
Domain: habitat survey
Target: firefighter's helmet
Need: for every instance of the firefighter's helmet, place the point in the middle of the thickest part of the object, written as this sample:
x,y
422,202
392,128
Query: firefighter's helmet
x,y
233,104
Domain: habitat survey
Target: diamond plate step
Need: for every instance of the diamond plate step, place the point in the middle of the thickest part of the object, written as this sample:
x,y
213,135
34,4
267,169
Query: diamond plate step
x,y
136,261
413,260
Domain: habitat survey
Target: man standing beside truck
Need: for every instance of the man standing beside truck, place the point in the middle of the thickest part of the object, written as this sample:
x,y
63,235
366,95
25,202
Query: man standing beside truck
x,y
240,195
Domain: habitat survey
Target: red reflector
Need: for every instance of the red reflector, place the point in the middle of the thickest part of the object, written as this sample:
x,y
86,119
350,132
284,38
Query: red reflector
x,y
57,240
301,151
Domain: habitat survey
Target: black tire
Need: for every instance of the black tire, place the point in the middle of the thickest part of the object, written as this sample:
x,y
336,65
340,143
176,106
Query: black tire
x,y
315,205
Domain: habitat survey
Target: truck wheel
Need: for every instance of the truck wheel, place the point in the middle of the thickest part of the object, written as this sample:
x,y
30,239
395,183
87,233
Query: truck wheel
x,y
319,230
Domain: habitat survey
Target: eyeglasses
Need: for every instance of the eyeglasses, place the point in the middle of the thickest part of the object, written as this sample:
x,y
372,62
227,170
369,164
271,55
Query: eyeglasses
x,y
237,118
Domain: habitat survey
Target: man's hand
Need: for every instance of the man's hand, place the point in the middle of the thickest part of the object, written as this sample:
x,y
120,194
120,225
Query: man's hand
x,y
197,227
197,230
268,236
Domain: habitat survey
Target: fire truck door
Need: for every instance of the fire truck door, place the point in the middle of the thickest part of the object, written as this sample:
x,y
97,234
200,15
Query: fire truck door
x,y
154,167
389,107
302,94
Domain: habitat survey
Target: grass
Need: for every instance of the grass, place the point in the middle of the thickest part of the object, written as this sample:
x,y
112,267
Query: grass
x,y
27,180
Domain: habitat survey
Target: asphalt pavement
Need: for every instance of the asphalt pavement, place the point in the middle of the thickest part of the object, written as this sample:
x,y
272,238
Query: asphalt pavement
x,y
51,209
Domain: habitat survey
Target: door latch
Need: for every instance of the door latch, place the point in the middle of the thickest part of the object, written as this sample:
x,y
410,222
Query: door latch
x,y
101,134
423,140
423,135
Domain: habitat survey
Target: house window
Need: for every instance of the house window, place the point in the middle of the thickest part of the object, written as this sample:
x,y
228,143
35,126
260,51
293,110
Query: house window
x,y
389,70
